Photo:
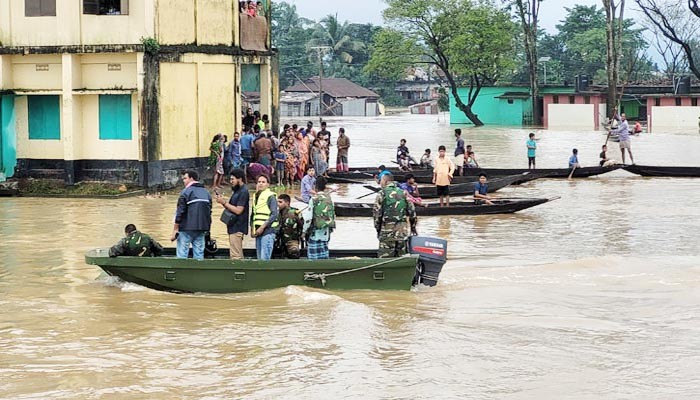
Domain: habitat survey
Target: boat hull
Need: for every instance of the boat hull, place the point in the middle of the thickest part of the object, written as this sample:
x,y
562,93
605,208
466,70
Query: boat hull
x,y
455,208
222,275
661,171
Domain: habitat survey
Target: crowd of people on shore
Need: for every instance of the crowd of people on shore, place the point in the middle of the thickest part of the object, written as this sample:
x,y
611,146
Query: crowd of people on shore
x,y
286,156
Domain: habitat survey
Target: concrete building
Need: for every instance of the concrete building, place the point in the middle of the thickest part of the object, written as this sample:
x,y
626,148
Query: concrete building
x,y
126,91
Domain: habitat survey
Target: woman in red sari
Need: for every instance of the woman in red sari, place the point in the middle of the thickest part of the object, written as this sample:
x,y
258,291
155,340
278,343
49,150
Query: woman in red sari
x,y
302,145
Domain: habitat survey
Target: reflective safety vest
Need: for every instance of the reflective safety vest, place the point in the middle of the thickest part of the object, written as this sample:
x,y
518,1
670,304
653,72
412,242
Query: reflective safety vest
x,y
261,211
395,204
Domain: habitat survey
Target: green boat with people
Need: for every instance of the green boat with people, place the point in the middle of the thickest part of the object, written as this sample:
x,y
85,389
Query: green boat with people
x,y
344,270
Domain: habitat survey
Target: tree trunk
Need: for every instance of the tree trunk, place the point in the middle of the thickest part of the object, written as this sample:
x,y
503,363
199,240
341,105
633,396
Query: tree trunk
x,y
610,57
465,108
528,11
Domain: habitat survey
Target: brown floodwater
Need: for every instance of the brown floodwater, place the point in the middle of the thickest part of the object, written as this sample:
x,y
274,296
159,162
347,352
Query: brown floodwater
x,y
595,295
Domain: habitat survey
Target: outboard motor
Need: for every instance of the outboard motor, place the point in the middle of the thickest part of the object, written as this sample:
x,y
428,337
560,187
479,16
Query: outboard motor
x,y
432,254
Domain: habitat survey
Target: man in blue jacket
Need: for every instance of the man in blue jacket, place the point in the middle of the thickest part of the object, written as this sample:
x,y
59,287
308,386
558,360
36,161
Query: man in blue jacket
x,y
192,218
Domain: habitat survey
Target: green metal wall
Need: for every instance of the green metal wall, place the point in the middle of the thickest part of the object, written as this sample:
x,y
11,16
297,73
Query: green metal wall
x,y
492,111
8,137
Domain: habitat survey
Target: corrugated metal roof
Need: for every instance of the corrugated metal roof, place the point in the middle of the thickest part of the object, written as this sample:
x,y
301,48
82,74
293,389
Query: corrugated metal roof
x,y
335,87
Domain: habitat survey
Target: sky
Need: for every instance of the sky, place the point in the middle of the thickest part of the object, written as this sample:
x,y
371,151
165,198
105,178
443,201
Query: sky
x,y
364,11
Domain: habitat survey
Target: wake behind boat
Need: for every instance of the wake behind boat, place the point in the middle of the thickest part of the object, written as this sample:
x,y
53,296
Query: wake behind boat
x,y
344,270
500,206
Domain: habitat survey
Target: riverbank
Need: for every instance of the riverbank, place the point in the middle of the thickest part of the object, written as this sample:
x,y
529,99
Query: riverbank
x,y
56,188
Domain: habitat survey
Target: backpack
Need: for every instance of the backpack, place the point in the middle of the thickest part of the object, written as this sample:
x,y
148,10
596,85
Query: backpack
x,y
323,212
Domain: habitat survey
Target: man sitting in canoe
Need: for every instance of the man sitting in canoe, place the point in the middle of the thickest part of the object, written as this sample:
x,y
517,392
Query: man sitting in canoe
x,y
481,190
290,222
136,244
411,188
382,171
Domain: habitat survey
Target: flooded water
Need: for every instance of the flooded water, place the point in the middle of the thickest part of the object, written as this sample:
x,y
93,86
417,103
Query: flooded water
x,y
595,295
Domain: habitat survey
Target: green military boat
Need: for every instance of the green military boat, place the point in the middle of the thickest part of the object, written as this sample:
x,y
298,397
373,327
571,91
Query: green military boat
x,y
345,270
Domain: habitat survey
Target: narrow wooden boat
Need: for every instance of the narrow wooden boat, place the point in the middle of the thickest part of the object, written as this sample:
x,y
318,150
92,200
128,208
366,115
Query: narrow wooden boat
x,y
467,188
345,270
504,206
474,177
661,171
582,172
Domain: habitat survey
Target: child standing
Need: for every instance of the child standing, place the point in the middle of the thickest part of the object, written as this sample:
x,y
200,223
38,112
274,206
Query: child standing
x,y
531,148
280,163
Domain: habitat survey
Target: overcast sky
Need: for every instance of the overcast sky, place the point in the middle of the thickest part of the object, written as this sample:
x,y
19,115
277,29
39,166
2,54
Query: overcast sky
x,y
363,11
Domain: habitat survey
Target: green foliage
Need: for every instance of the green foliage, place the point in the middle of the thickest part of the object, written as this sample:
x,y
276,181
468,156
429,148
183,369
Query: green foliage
x,y
443,100
150,45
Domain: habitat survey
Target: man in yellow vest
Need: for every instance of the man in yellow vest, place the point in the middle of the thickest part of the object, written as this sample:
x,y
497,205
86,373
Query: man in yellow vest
x,y
263,218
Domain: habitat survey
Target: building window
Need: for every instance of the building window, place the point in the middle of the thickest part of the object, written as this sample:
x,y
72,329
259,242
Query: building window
x,y
587,99
39,8
555,99
572,99
694,102
115,117
678,101
510,101
657,102
106,7
44,117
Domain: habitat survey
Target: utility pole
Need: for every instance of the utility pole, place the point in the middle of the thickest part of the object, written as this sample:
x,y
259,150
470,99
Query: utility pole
x,y
320,50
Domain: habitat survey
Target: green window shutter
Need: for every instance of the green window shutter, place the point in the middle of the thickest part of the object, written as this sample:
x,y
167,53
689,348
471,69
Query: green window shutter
x,y
91,7
115,117
44,117
48,8
250,77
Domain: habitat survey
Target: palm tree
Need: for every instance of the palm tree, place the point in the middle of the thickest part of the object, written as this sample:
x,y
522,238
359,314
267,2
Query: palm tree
x,y
330,32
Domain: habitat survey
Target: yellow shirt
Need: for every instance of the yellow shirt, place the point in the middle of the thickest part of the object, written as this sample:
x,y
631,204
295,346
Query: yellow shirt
x,y
443,169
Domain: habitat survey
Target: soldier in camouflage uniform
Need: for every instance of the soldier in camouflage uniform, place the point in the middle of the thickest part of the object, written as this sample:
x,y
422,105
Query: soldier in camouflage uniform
x,y
136,243
288,240
392,215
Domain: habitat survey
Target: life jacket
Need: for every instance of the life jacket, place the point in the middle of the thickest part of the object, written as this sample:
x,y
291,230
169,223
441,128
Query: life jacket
x,y
323,212
138,244
261,211
395,203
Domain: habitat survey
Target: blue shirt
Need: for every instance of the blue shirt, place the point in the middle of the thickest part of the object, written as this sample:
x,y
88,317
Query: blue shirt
x,y
405,186
573,160
481,189
239,198
623,131
247,141
233,152
307,185
280,158
460,147
379,176
531,147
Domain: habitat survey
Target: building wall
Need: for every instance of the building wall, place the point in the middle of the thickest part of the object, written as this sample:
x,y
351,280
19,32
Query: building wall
x,y
107,71
571,116
204,22
674,118
71,27
29,72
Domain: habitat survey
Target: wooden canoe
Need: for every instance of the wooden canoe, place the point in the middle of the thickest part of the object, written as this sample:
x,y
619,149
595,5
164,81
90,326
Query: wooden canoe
x,y
504,206
344,270
662,171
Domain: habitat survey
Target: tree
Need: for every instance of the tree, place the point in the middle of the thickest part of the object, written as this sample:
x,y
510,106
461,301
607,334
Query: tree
x,y
670,23
471,43
528,12
289,36
614,18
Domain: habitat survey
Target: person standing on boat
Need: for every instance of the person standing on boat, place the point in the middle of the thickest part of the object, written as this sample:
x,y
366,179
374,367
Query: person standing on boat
x,y
393,216
442,176
308,184
238,204
481,191
192,218
288,241
319,222
341,162
263,219
531,149
623,132
459,151
136,244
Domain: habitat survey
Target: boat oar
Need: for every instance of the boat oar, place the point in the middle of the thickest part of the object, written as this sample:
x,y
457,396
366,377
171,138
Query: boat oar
x,y
373,191
572,172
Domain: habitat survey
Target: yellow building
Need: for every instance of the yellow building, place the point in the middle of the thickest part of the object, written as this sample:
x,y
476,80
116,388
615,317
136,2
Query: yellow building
x,y
126,90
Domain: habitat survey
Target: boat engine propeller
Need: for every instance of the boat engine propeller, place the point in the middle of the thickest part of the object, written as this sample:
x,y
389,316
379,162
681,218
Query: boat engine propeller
x,y
432,255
